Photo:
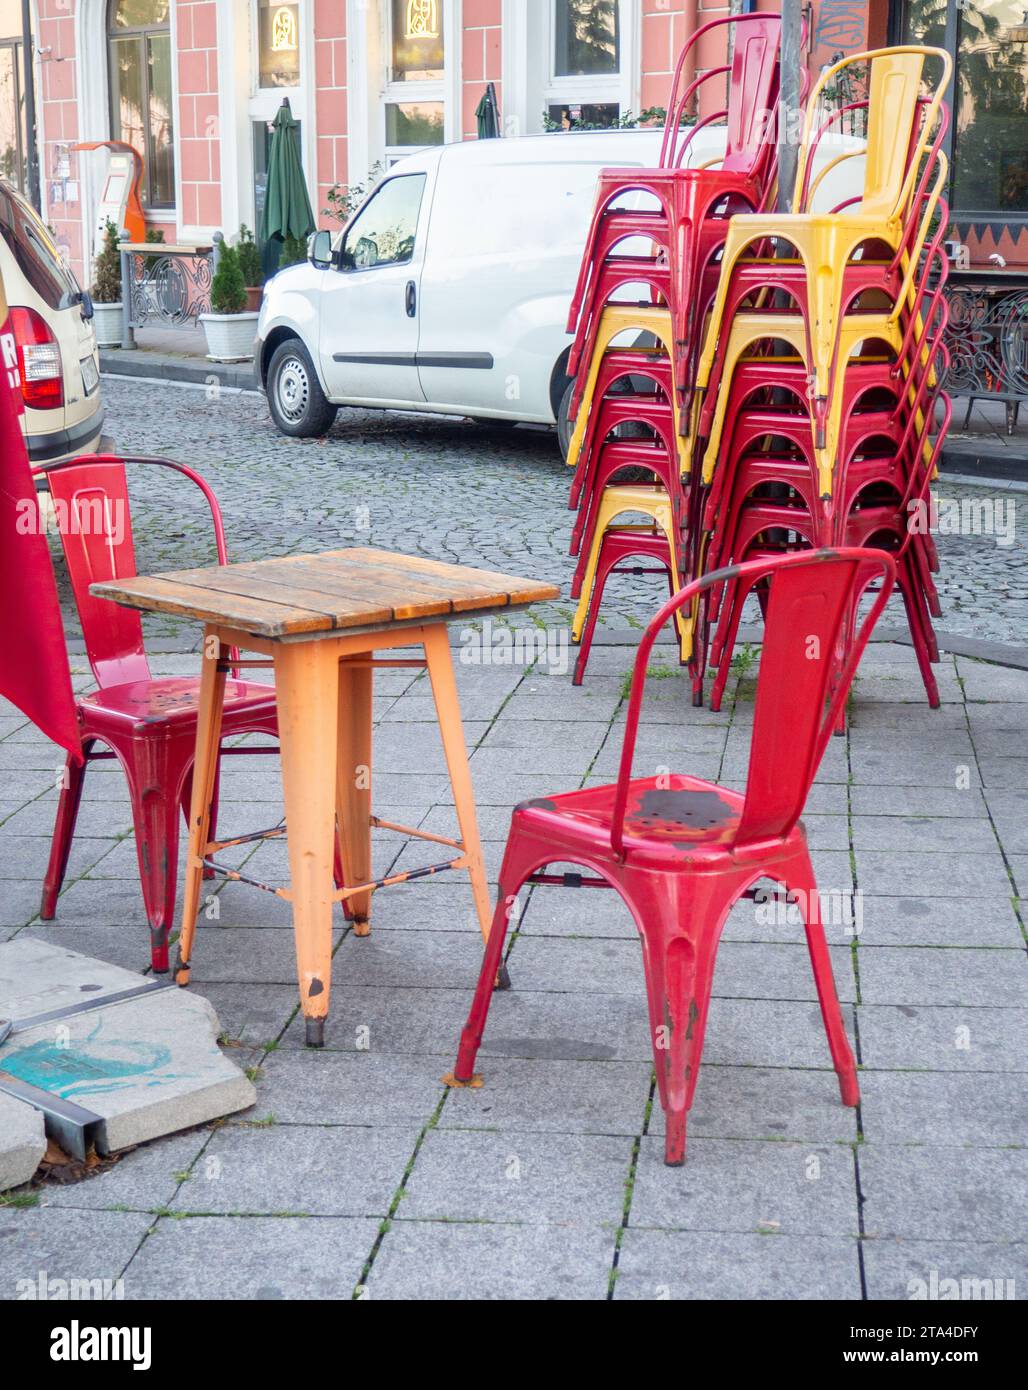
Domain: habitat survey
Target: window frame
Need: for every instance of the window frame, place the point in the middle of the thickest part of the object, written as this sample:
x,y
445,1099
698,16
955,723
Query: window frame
x,y
961,216
141,34
436,90
376,193
583,89
15,45
256,90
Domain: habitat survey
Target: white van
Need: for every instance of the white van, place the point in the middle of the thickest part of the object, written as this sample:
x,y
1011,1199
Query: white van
x,y
449,288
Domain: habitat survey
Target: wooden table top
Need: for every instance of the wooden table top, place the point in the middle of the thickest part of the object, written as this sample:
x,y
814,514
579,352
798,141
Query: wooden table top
x,y
357,589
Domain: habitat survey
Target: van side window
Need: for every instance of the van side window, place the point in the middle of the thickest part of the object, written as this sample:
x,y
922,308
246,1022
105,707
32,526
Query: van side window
x,y
37,259
383,231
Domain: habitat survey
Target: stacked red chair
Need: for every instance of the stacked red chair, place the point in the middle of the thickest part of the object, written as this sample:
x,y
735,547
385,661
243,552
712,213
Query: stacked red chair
x,y
819,413
629,402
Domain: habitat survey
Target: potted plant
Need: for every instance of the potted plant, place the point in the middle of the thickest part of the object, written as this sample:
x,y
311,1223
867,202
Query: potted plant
x,y
250,265
230,327
106,290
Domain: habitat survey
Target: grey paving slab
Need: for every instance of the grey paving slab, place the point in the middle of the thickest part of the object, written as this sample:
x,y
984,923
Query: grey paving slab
x,y
943,1108
918,801
553,1096
768,1033
521,1023
316,1170
936,1269
766,1103
892,975
576,912
254,955
22,1141
251,1258
143,1179
753,970
250,1017
917,921
980,1039
924,834
993,683
538,1179
927,1192
737,1185
931,875
699,1265
63,1253
303,1086
456,1260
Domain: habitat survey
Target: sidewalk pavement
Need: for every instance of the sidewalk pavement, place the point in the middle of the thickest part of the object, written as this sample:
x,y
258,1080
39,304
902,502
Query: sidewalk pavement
x,y
358,1171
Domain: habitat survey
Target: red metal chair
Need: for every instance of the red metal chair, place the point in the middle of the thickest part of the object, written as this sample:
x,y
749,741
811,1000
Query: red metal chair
x,y
682,851
148,724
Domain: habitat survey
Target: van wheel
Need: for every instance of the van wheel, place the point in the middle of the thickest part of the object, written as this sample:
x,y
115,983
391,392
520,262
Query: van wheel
x,y
565,428
297,403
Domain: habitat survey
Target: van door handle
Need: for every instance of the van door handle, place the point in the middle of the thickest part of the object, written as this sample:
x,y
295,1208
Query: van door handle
x,y
411,299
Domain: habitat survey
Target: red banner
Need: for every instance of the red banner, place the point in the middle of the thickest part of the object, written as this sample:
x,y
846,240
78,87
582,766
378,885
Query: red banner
x,y
34,671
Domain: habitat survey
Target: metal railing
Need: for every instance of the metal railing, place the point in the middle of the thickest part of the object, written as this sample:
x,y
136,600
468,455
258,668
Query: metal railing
x,y
165,286
987,339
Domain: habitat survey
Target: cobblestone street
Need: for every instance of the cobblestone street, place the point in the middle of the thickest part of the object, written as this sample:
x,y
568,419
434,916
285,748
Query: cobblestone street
x,y
358,1173
447,488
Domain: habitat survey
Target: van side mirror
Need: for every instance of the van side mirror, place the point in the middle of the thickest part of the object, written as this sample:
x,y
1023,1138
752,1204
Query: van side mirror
x,y
319,249
86,305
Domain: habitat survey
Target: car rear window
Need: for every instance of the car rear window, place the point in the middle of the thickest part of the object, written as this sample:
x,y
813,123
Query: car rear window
x,y
37,260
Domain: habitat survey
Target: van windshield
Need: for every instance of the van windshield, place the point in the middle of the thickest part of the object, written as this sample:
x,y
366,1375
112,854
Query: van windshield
x,y
34,253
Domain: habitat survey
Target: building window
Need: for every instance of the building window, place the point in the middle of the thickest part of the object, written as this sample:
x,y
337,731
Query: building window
x,y
278,37
584,71
12,115
415,95
989,145
139,46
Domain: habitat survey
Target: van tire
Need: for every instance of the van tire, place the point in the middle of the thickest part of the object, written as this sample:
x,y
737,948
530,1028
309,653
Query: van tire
x,y
564,425
297,403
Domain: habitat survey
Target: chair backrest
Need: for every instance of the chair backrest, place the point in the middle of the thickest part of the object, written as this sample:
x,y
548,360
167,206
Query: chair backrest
x,y
808,657
90,496
752,75
901,121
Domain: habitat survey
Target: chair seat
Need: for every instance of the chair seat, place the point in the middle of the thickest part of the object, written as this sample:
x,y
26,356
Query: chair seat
x,y
674,811
171,699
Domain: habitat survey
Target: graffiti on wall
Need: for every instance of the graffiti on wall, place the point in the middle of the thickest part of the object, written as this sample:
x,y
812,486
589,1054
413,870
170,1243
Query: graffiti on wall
x,y
841,24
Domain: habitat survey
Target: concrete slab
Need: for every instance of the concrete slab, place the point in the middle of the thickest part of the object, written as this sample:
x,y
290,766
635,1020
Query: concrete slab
x,y
22,1142
145,1067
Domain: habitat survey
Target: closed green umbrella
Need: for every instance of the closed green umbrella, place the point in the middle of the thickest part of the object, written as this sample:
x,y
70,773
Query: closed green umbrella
x,y
287,206
487,113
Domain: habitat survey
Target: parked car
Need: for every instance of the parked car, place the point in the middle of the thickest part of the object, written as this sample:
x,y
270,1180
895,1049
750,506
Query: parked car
x,y
448,290
51,319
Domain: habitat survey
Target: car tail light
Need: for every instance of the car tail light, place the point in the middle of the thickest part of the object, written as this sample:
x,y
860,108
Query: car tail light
x,y
39,360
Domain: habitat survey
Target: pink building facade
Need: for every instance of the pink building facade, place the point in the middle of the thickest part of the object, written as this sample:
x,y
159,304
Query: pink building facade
x,y
195,83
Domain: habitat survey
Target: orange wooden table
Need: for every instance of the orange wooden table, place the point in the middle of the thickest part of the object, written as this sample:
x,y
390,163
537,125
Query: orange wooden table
x,y
318,620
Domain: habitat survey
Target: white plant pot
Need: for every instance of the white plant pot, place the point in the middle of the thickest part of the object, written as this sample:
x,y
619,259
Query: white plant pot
x,y
230,337
108,324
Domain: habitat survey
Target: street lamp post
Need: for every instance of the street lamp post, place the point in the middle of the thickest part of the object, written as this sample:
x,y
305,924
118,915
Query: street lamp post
x,y
789,100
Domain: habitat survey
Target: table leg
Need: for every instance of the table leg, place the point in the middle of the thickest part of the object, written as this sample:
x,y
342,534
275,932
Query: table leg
x,y
447,705
353,786
205,771
306,682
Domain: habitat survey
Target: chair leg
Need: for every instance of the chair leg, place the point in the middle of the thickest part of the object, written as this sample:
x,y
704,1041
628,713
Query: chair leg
x,y
680,926
520,858
64,833
155,779
800,880
353,788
